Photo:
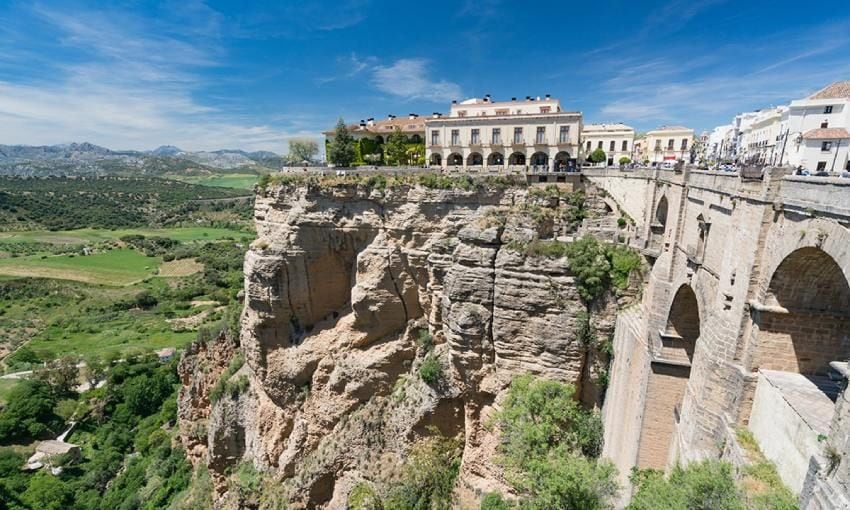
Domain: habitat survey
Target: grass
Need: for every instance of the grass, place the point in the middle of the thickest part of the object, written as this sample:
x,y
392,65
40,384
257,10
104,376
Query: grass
x,y
180,267
6,386
89,235
237,181
115,267
763,488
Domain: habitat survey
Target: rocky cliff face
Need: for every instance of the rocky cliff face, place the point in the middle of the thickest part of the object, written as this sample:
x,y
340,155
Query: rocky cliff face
x,y
344,283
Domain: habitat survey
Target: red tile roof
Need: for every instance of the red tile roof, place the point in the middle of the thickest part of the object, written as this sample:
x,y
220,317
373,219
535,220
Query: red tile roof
x,y
837,90
826,134
385,127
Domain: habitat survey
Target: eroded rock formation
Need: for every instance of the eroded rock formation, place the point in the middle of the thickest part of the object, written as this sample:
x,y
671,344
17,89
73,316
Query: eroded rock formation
x,y
340,285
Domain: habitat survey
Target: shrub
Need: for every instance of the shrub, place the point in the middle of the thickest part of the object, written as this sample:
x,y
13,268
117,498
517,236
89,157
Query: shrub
x,y
429,476
623,262
625,160
494,501
621,222
589,262
225,386
364,497
431,370
705,485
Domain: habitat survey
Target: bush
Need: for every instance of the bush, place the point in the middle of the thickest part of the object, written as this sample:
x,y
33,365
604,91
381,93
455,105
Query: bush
x,y
588,260
705,485
429,476
625,160
364,497
225,386
431,370
29,412
623,262
494,501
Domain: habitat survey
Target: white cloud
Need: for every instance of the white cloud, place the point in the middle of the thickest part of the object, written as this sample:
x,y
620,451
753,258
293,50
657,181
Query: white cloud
x,y
408,78
132,86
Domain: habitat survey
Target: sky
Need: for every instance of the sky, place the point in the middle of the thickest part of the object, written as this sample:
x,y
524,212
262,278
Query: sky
x,y
252,75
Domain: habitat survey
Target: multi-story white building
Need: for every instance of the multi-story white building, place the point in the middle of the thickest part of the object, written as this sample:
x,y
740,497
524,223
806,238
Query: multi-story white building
x,y
816,135
760,137
741,123
480,133
668,143
616,140
719,142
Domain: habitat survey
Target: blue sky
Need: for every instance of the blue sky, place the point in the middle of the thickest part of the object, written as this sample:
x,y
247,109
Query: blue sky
x,y
207,75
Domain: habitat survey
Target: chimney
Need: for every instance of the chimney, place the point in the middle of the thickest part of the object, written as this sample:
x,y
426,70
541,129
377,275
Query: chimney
x,y
370,121
548,96
435,115
454,101
513,99
362,124
412,116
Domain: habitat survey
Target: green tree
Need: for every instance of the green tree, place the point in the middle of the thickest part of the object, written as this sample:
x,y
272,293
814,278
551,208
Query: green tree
x,y
303,149
429,476
625,160
341,150
597,156
396,148
706,485
588,260
62,375
47,492
29,412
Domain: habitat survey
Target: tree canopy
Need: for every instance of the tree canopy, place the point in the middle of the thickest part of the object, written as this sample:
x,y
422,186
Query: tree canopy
x,y
396,148
341,151
303,149
597,156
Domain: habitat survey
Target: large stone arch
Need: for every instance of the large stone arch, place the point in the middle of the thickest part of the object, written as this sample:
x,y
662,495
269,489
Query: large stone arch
x,y
804,321
661,212
666,385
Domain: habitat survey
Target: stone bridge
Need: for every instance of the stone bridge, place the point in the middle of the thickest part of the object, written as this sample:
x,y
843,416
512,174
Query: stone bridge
x,y
744,324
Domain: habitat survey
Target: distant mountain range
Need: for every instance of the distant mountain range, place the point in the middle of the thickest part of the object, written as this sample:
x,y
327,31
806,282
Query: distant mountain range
x,y
89,159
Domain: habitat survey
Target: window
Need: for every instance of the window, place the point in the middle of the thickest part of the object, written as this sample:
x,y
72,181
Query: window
x,y
670,144
503,112
517,135
545,109
435,137
684,144
541,135
564,135
497,136
612,146
599,144
658,145
588,146
821,166
475,137
625,145
461,113
827,109
824,124
826,146
455,137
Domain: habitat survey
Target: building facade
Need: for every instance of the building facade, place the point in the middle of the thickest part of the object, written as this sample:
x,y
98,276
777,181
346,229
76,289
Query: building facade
x,y
371,135
616,140
760,137
817,134
668,144
480,133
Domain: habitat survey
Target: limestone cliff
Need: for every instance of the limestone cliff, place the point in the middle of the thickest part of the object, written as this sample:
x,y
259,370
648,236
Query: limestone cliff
x,y
339,287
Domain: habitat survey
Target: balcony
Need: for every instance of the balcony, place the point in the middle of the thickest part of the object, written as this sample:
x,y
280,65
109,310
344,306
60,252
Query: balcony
x,y
496,142
476,142
434,143
455,143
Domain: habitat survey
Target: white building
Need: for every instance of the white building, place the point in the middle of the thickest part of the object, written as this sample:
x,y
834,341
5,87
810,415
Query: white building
x,y
616,140
480,133
741,123
668,143
816,135
718,148
760,137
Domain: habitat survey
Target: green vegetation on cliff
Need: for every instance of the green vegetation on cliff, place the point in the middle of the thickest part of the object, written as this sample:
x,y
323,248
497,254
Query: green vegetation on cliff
x,y
550,448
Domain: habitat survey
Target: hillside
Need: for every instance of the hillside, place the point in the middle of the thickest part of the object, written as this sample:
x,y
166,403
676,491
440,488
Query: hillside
x,y
89,159
60,203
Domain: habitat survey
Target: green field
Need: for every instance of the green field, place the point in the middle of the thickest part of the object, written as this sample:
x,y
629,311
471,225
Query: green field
x,y
89,235
115,267
238,181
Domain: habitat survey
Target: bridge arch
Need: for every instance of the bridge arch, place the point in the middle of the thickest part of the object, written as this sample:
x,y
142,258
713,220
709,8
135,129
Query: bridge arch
x,y
670,371
661,211
805,321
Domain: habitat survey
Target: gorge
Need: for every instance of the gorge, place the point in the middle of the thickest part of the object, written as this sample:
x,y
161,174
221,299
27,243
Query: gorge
x,y
355,283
